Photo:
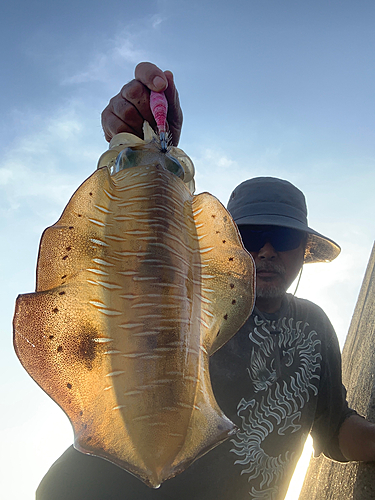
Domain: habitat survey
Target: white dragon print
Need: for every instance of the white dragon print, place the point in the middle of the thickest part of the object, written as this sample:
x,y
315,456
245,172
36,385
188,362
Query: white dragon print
x,y
276,409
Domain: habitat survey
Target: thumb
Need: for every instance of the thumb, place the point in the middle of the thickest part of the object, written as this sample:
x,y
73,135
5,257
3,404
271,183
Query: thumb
x,y
151,76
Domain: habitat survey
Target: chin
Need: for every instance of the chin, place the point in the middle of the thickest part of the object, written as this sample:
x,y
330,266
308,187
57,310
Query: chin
x,y
270,292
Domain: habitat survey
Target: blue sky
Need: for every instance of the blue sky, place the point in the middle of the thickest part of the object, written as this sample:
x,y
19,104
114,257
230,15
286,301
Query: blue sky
x,y
267,88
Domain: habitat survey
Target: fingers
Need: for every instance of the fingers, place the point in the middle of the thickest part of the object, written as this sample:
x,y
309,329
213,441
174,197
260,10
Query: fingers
x,y
175,116
127,111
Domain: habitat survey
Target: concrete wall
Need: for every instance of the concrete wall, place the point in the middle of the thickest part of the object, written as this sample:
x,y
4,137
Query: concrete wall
x,y
328,480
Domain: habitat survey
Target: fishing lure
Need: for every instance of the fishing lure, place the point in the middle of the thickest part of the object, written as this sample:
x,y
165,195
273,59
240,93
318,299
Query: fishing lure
x,y
138,283
159,108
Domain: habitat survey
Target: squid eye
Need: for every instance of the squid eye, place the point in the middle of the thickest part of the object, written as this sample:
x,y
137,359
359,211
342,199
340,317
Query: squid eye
x,y
174,166
126,159
129,158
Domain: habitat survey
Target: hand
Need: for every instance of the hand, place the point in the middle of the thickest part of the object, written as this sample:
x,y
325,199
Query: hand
x,y
127,111
357,439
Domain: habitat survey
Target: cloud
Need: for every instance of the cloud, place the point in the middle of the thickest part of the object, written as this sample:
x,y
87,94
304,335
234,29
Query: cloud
x,y
121,52
45,165
219,173
124,50
215,158
94,71
127,48
39,172
6,175
157,20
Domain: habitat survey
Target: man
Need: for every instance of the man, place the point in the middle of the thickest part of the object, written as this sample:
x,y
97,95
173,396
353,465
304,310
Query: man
x,y
278,378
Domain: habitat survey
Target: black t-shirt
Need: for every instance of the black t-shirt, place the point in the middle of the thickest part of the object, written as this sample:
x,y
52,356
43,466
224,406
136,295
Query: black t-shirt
x,y
277,379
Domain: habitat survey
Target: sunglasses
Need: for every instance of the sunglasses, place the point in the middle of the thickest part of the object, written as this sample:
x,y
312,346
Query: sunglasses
x,y
282,239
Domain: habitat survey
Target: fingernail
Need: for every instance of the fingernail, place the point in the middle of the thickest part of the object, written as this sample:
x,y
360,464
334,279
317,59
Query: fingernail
x,y
158,83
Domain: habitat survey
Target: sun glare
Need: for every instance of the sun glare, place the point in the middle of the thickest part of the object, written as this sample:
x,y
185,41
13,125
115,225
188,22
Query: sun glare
x,y
300,472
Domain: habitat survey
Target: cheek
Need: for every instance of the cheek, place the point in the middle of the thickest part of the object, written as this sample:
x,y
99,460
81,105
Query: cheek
x,y
293,264
254,255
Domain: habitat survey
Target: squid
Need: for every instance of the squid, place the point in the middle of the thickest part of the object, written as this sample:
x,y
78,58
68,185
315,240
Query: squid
x,y
138,283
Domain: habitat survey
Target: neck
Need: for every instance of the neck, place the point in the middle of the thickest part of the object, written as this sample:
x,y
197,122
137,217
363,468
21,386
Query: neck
x,y
268,305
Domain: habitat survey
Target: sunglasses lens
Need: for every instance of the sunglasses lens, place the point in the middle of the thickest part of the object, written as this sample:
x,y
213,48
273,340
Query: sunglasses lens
x,y
287,239
252,240
282,239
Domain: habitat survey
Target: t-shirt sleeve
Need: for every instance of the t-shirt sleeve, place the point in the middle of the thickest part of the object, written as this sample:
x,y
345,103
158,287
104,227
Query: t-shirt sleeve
x,y
332,407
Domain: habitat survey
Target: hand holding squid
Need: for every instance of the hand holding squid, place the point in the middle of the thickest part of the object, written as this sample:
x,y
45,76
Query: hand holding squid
x,y
127,111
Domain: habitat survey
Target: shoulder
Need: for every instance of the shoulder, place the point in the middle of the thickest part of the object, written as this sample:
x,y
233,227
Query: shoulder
x,y
310,312
305,305
314,321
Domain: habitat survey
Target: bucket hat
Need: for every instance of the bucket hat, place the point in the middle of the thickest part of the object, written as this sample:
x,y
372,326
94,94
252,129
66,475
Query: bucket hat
x,y
276,202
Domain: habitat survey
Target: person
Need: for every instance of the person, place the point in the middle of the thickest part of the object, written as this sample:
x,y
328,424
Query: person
x,y
278,379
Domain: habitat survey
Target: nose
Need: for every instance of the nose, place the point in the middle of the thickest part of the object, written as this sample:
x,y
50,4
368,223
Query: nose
x,y
267,252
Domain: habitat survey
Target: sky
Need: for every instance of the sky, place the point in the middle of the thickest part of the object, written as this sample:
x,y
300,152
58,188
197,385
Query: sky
x,y
267,88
